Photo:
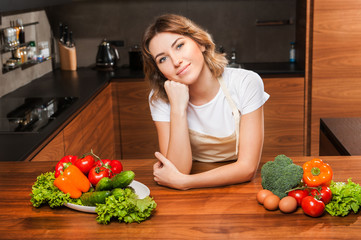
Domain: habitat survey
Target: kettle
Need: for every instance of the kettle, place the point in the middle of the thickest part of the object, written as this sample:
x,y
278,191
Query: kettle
x,y
107,55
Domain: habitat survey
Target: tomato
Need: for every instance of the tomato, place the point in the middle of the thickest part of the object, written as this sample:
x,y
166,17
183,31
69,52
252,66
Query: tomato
x,y
114,166
312,206
324,194
103,162
299,195
85,164
97,173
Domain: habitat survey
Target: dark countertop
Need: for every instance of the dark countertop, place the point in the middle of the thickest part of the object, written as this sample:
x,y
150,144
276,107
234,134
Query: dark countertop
x,y
83,84
277,68
344,134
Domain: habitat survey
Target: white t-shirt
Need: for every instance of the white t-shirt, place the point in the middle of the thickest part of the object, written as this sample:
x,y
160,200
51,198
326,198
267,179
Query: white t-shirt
x,y
215,117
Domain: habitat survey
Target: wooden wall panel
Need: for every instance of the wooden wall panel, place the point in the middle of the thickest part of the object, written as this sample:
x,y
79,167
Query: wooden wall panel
x,y
284,116
336,63
138,133
73,137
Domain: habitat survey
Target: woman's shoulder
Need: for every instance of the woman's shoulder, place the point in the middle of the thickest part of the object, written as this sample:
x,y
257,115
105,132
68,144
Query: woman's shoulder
x,y
236,76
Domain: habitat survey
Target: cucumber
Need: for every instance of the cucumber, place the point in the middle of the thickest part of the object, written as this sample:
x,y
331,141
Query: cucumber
x,y
92,198
104,184
123,179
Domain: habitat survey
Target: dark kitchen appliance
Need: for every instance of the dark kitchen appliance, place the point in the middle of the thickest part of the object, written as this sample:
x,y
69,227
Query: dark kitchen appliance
x,y
107,56
135,58
30,115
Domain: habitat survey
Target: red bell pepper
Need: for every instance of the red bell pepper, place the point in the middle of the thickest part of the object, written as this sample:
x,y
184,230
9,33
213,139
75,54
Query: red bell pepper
x,y
59,168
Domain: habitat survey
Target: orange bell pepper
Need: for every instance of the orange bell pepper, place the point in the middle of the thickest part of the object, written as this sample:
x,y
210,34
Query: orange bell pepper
x,y
72,181
317,173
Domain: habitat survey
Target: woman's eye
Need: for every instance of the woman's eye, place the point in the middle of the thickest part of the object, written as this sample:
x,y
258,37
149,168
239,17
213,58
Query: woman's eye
x,y
162,59
180,45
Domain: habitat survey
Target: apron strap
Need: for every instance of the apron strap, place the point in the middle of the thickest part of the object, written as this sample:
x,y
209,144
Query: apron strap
x,y
234,108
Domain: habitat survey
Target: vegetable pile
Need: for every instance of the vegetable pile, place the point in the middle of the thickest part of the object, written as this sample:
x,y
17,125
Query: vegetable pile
x,y
88,182
287,186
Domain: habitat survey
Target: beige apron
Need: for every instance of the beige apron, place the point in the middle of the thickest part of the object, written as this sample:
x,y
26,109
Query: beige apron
x,y
207,148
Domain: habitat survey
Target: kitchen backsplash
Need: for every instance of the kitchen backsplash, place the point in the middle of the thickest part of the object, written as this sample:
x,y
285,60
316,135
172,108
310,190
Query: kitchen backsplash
x,y
232,24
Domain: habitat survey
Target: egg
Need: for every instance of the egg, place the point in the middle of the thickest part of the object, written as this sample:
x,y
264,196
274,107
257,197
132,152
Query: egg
x,y
271,202
288,204
261,195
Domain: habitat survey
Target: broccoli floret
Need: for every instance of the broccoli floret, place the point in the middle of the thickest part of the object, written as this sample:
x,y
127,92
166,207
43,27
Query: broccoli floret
x,y
281,175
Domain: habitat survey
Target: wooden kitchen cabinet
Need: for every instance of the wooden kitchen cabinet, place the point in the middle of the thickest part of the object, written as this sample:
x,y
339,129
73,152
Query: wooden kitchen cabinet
x,y
335,63
92,128
53,151
138,135
284,116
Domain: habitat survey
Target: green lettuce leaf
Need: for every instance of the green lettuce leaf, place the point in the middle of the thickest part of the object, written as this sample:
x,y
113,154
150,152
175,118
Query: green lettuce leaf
x,y
45,192
125,207
346,197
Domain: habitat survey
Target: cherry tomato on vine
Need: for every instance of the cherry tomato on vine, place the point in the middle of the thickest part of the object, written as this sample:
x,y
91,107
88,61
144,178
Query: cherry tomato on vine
x,y
97,173
114,166
312,206
299,195
85,164
324,194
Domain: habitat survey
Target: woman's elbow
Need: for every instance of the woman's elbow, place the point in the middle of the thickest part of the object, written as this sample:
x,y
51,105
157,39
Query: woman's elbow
x,y
249,172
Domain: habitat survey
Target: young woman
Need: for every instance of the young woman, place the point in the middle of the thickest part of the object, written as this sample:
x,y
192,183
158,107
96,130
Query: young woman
x,y
202,110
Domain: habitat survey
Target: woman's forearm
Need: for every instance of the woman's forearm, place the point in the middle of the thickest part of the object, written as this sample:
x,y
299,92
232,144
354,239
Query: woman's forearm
x,y
233,173
179,149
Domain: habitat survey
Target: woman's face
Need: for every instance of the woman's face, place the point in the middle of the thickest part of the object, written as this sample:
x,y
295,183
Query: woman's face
x,y
178,57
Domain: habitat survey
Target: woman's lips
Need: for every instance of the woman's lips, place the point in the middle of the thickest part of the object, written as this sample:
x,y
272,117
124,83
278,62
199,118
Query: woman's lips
x,y
183,69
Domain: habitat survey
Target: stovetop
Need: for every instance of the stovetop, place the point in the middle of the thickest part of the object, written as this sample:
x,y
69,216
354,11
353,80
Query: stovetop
x,y
31,115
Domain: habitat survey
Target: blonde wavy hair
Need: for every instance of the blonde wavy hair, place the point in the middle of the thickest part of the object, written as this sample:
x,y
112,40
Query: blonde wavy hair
x,y
180,25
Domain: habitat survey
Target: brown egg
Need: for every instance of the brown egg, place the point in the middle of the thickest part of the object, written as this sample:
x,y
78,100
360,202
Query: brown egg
x,y
261,195
271,202
288,204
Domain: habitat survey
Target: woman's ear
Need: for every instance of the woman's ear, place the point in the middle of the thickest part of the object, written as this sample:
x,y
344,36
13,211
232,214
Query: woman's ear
x,y
202,48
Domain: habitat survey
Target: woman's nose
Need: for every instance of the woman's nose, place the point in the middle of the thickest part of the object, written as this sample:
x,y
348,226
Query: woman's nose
x,y
178,62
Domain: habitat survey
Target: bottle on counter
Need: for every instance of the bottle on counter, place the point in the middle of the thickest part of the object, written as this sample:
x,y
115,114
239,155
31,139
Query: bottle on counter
x,y
20,30
292,57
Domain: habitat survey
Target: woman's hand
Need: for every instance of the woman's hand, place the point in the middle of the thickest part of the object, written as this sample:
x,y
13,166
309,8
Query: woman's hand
x,y
178,94
166,174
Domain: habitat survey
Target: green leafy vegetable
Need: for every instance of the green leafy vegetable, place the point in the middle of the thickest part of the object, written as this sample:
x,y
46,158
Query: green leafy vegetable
x,y
44,191
346,197
125,207
281,175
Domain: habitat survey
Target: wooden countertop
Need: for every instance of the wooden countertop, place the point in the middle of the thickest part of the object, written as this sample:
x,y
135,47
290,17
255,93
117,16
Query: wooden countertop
x,y
230,212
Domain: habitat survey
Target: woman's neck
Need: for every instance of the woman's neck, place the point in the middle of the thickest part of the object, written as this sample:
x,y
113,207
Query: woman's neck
x,y
204,89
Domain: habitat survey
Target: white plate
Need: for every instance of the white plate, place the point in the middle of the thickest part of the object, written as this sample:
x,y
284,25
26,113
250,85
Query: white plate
x,y
140,189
